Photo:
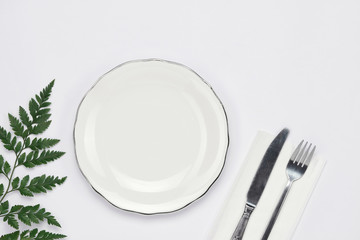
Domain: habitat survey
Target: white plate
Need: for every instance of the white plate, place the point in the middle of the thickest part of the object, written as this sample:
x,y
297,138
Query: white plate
x,y
151,136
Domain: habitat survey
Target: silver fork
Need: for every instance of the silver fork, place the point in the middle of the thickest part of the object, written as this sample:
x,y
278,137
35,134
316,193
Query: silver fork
x,y
295,169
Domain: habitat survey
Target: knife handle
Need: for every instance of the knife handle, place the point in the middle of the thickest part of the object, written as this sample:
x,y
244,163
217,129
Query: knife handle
x,y
240,228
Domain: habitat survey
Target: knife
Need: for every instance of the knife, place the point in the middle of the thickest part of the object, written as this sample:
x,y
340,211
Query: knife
x,y
259,181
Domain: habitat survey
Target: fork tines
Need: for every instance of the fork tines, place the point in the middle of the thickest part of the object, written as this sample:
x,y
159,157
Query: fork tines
x,y
301,154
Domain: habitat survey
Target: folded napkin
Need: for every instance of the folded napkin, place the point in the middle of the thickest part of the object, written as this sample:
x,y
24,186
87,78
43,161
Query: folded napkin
x,y
294,204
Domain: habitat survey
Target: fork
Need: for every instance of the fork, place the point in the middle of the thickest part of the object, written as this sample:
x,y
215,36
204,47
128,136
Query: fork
x,y
295,169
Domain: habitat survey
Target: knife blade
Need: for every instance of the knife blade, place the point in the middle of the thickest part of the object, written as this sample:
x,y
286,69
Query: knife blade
x,y
259,181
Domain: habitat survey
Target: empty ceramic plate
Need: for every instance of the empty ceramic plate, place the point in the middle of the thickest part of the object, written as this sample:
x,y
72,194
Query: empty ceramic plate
x,y
151,136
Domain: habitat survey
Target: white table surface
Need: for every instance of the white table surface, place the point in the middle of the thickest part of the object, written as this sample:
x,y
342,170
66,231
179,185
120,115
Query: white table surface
x,y
272,63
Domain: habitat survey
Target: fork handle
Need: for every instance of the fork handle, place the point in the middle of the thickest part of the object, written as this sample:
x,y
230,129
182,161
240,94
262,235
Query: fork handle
x,y
277,210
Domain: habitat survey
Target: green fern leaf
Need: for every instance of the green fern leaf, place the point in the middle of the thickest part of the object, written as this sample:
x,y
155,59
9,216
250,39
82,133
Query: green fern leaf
x,y
24,218
15,183
46,104
5,138
10,219
27,142
22,189
33,108
49,236
33,232
33,218
29,215
52,221
16,208
45,157
16,126
41,127
36,235
3,134
21,158
1,189
44,111
26,192
24,117
26,235
40,184
1,164
36,107
24,181
4,207
43,143
43,117
46,92
18,147
7,168
38,99
11,236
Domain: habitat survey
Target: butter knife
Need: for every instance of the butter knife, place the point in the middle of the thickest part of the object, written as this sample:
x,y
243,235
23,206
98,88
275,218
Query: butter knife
x,y
259,181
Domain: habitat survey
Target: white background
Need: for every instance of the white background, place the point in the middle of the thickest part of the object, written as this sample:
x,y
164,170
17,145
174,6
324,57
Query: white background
x,y
273,64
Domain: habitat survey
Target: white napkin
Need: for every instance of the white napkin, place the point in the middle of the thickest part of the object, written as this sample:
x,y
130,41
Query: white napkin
x,y
294,204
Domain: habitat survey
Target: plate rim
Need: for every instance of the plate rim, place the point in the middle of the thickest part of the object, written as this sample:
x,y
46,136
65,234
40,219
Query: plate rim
x,y
227,136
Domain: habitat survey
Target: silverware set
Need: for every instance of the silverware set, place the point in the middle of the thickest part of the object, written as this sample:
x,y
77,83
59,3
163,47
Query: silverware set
x,y
295,169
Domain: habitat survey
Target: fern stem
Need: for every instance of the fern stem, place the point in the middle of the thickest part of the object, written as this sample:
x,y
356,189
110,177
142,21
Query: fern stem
x,y
13,170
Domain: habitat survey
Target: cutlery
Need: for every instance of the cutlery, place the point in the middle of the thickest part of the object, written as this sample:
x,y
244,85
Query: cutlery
x,y
259,181
295,169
